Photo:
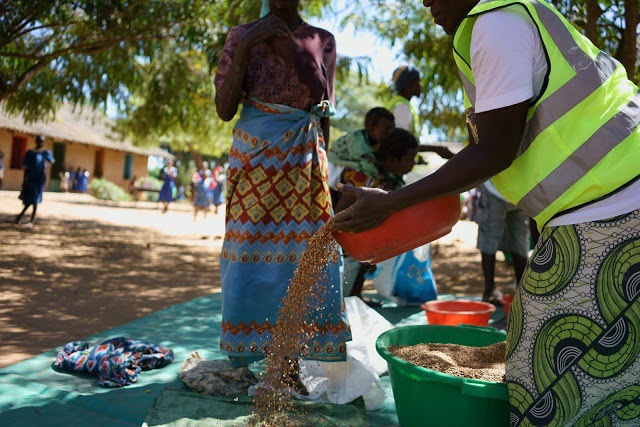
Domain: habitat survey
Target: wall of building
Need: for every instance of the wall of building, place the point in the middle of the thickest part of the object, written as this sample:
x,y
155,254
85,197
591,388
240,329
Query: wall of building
x,y
76,155
13,177
114,167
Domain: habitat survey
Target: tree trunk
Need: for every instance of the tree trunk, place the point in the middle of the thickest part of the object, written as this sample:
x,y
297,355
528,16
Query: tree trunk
x,y
628,44
591,26
195,154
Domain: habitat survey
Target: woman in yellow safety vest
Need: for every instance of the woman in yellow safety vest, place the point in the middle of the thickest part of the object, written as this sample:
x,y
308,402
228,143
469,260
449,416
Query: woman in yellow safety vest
x,y
555,123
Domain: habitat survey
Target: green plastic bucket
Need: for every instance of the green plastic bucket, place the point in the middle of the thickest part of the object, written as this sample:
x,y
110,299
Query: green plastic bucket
x,y
429,398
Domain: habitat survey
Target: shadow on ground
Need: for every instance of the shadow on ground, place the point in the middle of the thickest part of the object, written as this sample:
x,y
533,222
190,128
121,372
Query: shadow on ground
x,y
87,276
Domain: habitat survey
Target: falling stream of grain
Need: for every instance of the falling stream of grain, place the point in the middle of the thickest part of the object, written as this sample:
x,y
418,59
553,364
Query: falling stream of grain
x,y
273,404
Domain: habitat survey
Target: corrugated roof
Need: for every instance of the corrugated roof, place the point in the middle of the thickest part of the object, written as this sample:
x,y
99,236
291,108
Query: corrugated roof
x,y
81,126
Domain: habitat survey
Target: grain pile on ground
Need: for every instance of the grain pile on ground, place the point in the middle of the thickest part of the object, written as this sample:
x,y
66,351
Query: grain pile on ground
x,y
479,363
272,403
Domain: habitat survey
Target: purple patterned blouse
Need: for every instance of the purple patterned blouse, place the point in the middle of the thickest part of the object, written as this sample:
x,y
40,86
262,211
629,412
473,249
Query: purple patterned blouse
x,y
297,71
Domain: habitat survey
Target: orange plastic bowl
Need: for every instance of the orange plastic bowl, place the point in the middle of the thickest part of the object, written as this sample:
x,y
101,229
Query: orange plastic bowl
x,y
506,301
458,312
403,230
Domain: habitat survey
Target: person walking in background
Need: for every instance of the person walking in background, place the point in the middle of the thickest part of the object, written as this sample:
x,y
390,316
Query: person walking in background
x,y
203,166
34,164
555,124
65,180
278,196
83,181
133,188
218,192
77,178
501,225
169,174
201,202
1,168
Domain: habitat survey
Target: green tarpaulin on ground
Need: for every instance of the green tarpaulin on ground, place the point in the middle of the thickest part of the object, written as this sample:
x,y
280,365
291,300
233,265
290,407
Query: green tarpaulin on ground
x,y
176,408
33,394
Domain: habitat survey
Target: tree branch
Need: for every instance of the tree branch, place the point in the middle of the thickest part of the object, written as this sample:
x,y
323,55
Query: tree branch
x,y
8,90
81,47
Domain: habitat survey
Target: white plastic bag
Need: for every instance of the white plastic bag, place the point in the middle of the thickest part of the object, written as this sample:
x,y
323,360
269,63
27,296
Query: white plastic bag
x,y
383,280
342,382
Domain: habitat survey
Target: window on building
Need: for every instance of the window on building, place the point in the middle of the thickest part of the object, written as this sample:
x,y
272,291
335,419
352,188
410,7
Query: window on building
x,y
98,164
128,166
18,150
59,153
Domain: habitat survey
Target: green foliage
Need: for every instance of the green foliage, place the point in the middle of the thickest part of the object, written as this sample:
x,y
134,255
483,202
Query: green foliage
x,y
427,47
83,51
150,182
103,189
174,101
355,96
612,25
155,60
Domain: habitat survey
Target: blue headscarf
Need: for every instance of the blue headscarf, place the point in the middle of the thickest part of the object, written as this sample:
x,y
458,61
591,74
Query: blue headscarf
x,y
265,8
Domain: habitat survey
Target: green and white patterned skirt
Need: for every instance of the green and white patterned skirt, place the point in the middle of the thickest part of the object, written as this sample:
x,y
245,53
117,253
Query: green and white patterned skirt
x,y
574,328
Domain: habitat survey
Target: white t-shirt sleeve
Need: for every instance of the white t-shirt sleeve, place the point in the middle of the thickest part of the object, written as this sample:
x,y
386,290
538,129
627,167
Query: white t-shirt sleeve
x,y
403,117
504,49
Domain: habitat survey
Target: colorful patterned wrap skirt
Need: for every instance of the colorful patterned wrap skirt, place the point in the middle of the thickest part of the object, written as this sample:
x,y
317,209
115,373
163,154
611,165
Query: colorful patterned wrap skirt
x,y
574,328
277,197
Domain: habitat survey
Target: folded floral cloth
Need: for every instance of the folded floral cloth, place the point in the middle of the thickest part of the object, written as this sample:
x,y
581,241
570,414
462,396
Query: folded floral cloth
x,y
116,361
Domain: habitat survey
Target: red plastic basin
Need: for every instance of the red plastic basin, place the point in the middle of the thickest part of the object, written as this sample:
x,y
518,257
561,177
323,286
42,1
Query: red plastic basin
x,y
506,301
458,312
403,230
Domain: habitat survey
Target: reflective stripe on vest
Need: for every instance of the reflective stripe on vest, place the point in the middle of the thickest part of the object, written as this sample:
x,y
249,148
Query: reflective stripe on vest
x,y
592,76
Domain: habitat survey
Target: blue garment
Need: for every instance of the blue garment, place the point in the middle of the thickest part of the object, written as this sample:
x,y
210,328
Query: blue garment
x,y
201,198
217,192
168,178
278,197
74,180
34,176
83,181
116,361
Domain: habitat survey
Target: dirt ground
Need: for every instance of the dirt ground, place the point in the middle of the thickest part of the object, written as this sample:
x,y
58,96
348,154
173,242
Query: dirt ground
x,y
89,265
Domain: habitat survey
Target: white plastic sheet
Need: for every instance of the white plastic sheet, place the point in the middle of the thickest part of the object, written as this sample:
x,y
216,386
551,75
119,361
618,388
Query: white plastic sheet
x,y
342,382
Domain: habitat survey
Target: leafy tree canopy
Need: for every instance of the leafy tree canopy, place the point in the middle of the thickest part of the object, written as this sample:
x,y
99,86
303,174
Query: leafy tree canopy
x,y
154,59
611,24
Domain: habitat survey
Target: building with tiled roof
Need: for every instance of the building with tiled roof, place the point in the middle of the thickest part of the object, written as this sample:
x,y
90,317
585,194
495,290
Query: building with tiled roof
x,y
78,138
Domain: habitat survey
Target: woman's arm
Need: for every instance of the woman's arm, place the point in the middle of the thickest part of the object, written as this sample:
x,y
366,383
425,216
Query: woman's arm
x,y
500,135
229,92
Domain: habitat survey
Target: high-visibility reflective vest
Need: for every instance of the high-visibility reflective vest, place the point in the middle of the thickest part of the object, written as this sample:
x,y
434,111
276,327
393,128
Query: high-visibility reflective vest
x,y
415,118
582,140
